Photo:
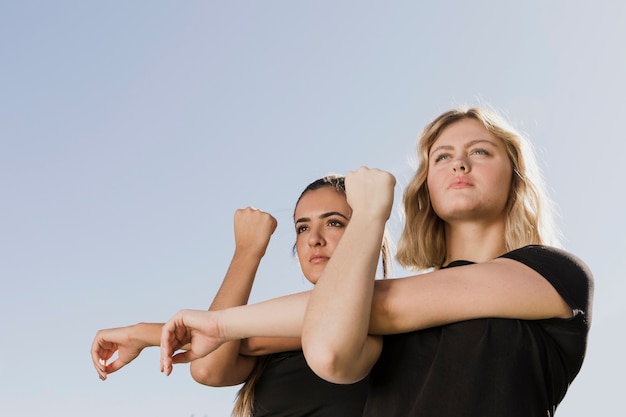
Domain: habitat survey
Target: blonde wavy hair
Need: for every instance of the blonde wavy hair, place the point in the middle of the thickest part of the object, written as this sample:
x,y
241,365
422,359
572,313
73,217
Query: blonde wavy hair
x,y
529,217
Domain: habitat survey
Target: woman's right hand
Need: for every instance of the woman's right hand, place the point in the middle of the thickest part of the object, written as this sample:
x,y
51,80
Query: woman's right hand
x,y
253,230
199,329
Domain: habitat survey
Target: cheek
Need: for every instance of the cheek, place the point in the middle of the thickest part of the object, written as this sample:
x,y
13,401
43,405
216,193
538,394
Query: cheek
x,y
502,185
436,175
334,236
505,178
432,182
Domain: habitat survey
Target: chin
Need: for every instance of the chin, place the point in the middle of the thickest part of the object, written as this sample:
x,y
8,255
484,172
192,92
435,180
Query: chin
x,y
313,278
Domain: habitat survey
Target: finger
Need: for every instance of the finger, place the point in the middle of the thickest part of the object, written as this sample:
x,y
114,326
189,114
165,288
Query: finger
x,y
99,357
165,361
102,373
114,366
167,334
96,349
95,359
100,366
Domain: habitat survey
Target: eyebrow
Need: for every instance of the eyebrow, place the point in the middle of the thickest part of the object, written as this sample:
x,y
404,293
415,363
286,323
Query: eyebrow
x,y
322,216
467,145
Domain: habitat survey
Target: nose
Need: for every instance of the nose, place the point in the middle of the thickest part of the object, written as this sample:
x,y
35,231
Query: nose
x,y
460,165
316,238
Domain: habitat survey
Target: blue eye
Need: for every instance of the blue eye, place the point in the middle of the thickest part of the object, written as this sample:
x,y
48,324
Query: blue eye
x,y
442,156
481,152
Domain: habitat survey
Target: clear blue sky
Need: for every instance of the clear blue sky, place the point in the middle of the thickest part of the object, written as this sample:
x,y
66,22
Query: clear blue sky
x,y
131,131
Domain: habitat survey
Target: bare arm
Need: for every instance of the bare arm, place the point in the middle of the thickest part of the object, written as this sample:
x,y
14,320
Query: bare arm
x,y
205,331
335,331
257,346
226,366
500,288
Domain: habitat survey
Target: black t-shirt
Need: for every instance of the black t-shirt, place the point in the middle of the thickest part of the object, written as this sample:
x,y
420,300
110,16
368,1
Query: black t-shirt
x,y
289,388
489,367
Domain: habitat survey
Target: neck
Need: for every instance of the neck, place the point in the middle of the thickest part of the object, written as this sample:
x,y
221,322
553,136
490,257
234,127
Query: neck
x,y
474,242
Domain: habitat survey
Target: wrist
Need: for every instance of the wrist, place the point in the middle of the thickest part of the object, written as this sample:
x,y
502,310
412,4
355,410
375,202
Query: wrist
x,y
368,219
249,253
145,334
222,329
225,322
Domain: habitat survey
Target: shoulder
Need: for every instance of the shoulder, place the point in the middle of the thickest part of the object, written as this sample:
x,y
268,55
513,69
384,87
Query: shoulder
x,y
567,273
548,261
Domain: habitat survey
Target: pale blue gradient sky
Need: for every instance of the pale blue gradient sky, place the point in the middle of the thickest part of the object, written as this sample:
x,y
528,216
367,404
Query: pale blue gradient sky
x,y
131,131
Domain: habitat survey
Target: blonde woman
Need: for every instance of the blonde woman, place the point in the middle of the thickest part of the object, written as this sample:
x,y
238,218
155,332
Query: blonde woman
x,y
499,327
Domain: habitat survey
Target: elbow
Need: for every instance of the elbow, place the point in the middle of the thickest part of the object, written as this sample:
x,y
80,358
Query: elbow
x,y
205,376
330,366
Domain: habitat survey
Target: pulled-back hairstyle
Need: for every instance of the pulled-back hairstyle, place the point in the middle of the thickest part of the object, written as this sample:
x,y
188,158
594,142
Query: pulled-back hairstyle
x,y
244,403
529,218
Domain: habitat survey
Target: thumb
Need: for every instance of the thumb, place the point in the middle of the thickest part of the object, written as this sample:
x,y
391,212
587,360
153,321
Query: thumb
x,y
114,366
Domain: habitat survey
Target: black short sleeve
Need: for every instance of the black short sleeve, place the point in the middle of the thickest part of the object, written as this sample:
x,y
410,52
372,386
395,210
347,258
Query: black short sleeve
x,y
569,275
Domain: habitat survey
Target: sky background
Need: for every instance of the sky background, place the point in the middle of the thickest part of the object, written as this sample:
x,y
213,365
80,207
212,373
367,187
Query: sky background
x,y
130,131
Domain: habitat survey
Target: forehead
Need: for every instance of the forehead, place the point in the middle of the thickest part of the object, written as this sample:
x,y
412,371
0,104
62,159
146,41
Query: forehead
x,y
320,201
464,131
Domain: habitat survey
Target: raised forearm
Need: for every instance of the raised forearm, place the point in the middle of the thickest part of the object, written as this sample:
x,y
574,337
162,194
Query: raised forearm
x,y
237,285
226,366
335,331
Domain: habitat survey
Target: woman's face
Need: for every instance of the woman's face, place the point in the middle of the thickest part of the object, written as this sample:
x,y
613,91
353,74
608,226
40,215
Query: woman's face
x,y
320,219
469,174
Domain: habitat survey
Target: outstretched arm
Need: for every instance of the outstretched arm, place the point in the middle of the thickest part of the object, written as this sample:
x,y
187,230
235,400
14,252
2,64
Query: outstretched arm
x,y
205,331
501,288
226,366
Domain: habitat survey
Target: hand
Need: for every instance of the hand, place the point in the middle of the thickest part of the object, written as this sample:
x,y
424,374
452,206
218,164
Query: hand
x,y
370,191
253,229
197,329
109,341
